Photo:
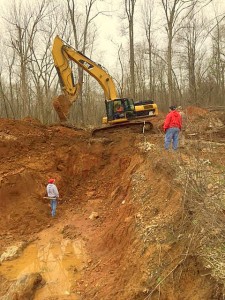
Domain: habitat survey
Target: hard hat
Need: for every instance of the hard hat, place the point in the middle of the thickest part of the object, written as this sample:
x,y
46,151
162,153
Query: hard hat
x,y
51,180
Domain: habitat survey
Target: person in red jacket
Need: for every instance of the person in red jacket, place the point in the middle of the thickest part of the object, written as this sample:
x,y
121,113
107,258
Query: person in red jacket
x,y
172,127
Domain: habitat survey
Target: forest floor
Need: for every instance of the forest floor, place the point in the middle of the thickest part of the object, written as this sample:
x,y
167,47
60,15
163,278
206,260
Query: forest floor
x,y
133,221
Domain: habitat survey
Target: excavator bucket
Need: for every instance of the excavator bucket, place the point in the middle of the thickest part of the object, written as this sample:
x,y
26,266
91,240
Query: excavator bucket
x,y
62,105
63,102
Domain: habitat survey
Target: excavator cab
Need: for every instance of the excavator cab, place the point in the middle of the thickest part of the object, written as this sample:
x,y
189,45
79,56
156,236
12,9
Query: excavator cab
x,y
119,110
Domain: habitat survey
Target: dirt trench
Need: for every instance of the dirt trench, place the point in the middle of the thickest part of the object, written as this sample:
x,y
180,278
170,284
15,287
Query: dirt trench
x,y
122,231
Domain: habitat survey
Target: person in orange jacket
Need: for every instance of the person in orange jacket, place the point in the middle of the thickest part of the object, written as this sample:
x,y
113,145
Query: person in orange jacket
x,y
119,112
172,127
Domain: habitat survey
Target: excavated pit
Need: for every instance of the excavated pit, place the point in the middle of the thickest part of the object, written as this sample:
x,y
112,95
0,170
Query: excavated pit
x,y
124,227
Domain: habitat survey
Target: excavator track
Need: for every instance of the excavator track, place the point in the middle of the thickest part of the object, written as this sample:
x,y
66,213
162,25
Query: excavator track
x,y
135,127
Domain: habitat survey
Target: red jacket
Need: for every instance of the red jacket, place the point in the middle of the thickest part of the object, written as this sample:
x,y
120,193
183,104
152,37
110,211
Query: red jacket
x,y
173,119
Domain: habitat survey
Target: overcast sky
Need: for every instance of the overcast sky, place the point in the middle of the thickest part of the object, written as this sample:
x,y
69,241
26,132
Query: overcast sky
x,y
109,30
109,26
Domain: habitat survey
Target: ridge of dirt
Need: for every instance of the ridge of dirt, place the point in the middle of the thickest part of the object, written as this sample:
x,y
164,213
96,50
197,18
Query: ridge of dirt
x,y
159,215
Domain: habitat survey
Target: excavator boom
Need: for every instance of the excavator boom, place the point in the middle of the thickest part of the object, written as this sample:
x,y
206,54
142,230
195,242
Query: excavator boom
x,y
62,55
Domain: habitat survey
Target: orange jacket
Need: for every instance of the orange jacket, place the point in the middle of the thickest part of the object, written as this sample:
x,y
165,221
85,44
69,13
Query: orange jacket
x,y
119,109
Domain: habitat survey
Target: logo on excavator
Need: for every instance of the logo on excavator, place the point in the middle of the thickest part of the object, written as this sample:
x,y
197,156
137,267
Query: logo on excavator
x,y
86,64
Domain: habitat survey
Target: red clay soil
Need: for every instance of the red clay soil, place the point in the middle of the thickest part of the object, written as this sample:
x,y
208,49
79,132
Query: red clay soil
x,y
139,246
196,111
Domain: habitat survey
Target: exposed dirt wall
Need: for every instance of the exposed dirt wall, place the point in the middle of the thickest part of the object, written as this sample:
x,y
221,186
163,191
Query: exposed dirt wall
x,y
144,241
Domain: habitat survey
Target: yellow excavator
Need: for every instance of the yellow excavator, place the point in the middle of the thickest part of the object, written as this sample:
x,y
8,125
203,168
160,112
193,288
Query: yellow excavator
x,y
119,111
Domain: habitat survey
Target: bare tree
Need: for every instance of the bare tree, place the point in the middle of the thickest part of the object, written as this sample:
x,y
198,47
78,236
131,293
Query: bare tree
x,y
7,108
81,37
147,12
188,41
218,60
173,10
24,23
7,87
121,63
129,9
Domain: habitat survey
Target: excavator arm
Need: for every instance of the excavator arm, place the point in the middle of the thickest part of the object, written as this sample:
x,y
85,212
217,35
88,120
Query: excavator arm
x,y
62,55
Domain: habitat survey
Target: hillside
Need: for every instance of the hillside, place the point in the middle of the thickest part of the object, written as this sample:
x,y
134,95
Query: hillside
x,y
134,222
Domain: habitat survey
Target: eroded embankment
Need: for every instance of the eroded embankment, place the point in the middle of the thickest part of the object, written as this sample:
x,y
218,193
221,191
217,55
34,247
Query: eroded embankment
x,y
150,248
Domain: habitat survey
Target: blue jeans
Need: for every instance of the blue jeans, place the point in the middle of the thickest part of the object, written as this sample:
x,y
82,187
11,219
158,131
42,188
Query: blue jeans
x,y
172,134
53,206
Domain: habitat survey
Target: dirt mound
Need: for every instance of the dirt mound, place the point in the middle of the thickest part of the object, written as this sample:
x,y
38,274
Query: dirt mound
x,y
133,206
195,111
